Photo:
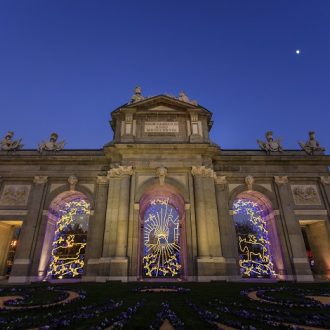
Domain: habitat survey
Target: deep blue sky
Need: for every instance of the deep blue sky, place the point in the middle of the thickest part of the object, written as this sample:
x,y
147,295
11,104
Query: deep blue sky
x,y
66,64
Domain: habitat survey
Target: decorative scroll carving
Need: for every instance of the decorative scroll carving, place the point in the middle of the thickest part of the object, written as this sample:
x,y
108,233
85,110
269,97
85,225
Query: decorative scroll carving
x,y
161,172
52,144
40,179
222,180
271,145
137,97
312,145
281,179
249,180
102,179
15,195
305,195
8,144
120,171
73,180
202,171
325,179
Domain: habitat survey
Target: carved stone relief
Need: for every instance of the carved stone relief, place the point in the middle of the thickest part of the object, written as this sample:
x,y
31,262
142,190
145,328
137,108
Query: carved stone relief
x,y
305,195
120,171
202,171
15,195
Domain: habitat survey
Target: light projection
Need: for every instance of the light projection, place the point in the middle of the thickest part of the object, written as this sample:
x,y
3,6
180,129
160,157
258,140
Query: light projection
x,y
68,248
253,239
161,237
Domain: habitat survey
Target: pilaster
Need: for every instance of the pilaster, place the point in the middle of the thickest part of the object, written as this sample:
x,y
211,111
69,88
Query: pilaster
x,y
27,240
297,248
114,261
210,262
227,228
96,229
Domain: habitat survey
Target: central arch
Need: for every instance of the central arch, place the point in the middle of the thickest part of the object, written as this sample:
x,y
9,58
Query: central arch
x,y
162,234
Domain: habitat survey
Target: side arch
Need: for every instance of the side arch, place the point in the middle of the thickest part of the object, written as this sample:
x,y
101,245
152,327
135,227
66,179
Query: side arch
x,y
63,249
259,248
270,196
64,189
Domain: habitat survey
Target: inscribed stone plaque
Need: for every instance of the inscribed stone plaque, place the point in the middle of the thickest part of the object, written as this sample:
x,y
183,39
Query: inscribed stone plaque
x,y
15,195
305,195
162,127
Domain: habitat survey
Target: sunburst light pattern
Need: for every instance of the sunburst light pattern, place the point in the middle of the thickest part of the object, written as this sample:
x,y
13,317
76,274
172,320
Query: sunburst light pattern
x,y
161,251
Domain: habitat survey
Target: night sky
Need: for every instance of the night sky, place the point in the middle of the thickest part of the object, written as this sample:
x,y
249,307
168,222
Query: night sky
x,y
65,65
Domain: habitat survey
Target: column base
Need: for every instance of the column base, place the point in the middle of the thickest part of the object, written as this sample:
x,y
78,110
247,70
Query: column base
x,y
211,269
118,268
19,280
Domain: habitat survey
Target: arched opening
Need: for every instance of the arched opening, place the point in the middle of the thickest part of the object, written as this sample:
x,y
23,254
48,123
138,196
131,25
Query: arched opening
x,y
162,237
65,239
259,250
9,236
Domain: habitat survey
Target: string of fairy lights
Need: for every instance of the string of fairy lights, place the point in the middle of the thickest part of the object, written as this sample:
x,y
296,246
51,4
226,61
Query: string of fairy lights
x,y
253,240
68,247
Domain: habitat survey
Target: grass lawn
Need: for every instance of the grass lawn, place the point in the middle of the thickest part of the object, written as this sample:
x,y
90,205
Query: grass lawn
x,y
200,308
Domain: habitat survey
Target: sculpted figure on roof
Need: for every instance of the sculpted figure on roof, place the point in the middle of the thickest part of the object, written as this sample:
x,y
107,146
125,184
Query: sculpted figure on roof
x,y
312,145
137,95
184,98
270,145
8,144
52,144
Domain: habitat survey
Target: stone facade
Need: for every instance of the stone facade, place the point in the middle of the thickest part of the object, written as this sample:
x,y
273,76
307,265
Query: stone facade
x,y
161,147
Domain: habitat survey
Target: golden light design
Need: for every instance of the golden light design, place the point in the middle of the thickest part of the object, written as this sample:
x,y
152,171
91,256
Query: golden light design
x,y
161,240
253,240
68,248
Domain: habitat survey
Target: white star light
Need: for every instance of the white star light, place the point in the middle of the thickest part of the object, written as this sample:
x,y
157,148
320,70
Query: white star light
x,y
298,51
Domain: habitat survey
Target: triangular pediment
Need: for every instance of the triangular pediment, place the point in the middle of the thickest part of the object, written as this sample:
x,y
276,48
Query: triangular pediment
x,y
162,103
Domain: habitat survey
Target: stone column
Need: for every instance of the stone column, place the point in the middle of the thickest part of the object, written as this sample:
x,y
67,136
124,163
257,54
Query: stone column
x,y
118,221
28,237
227,229
297,246
96,229
202,239
210,263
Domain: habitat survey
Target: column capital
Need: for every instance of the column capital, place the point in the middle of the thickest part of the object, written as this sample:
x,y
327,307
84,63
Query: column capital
x,y
120,171
202,171
222,179
281,179
39,179
325,180
102,179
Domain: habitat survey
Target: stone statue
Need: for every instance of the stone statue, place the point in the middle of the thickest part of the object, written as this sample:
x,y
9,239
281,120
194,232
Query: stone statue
x,y
137,95
271,145
312,145
8,144
52,144
184,98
